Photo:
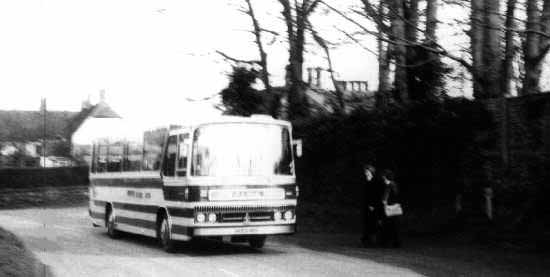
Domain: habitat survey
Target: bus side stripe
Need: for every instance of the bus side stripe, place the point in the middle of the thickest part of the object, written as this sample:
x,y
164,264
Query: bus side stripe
x,y
137,222
136,207
128,182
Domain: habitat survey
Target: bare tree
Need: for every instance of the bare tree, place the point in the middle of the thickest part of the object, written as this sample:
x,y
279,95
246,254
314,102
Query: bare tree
x,y
476,44
536,45
296,15
509,47
263,56
257,31
492,50
400,49
431,19
383,94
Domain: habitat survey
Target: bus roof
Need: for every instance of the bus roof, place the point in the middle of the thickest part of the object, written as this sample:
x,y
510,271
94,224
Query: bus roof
x,y
117,130
265,119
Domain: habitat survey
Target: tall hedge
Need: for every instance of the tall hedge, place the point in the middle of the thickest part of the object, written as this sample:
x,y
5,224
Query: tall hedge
x,y
433,147
40,177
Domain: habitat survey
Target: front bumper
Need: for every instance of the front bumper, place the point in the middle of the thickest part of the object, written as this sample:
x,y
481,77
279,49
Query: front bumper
x,y
244,230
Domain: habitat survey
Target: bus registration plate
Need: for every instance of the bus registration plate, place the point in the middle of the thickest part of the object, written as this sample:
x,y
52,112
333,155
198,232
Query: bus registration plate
x,y
246,230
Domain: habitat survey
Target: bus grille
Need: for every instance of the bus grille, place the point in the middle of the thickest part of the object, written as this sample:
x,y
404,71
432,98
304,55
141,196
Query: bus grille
x,y
236,214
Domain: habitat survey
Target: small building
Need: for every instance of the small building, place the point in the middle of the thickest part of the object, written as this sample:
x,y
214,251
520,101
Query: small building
x,y
56,161
26,137
322,93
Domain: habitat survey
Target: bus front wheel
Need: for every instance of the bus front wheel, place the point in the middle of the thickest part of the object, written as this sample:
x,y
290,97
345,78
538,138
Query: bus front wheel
x,y
165,235
257,241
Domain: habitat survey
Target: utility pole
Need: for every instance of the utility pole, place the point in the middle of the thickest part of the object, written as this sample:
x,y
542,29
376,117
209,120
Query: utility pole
x,y
43,108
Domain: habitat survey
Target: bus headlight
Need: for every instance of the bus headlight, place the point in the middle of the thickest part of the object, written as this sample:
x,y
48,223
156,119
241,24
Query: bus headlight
x,y
277,215
211,217
288,215
200,217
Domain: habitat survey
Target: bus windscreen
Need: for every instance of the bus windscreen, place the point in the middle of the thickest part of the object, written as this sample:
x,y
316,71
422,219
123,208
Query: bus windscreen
x,y
241,149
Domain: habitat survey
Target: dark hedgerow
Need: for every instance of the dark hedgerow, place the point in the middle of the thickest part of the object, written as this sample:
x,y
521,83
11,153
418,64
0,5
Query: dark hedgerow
x,y
431,146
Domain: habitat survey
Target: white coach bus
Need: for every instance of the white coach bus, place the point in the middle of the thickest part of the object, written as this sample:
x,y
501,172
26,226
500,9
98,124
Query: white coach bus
x,y
230,177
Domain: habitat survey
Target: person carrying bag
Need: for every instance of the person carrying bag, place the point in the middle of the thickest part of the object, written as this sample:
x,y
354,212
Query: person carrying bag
x,y
392,211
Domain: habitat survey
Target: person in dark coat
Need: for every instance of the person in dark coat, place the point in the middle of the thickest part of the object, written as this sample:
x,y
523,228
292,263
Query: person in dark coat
x,y
371,192
389,233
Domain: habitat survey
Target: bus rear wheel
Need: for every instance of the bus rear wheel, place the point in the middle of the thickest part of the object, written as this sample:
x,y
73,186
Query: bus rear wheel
x,y
164,235
257,241
110,222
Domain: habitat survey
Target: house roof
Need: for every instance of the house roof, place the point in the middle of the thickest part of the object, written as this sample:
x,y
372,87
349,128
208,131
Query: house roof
x,y
29,125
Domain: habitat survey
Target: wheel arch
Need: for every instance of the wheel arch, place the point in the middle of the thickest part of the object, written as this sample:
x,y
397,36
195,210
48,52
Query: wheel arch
x,y
161,212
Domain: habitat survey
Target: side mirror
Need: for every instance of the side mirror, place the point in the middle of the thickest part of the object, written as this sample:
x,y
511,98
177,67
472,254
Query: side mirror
x,y
297,145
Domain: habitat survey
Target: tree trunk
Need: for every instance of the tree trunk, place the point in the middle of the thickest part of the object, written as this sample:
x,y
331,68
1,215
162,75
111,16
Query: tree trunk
x,y
296,17
400,51
545,28
287,15
382,96
411,35
509,48
296,61
492,53
531,49
476,42
411,15
431,20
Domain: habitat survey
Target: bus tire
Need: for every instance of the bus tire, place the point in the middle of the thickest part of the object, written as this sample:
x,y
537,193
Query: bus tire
x,y
257,241
164,234
110,223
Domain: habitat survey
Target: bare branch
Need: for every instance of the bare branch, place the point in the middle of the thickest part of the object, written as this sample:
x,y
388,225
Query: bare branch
x,y
235,60
437,50
270,31
350,36
263,55
323,43
311,7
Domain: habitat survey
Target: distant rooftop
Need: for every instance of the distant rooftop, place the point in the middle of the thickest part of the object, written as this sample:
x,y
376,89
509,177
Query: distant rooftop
x,y
29,125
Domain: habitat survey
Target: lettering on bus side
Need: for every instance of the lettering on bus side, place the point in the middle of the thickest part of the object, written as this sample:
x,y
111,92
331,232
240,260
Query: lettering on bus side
x,y
138,194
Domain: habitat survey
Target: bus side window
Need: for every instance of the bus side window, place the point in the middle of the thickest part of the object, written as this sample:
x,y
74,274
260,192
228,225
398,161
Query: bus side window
x,y
183,149
169,165
115,157
152,148
132,156
101,157
93,163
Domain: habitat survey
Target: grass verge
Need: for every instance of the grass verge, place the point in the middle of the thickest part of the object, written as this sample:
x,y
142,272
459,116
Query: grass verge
x,y
16,260
67,196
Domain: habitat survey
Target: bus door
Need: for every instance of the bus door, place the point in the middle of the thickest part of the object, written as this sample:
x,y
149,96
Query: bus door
x,y
183,153
169,163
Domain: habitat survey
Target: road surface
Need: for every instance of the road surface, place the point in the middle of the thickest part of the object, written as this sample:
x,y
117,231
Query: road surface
x,y
64,240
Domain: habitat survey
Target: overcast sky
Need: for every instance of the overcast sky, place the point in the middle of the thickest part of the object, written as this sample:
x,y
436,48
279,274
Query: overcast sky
x,y
149,56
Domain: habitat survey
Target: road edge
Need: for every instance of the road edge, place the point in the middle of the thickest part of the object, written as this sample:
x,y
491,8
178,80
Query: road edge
x,y
17,260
